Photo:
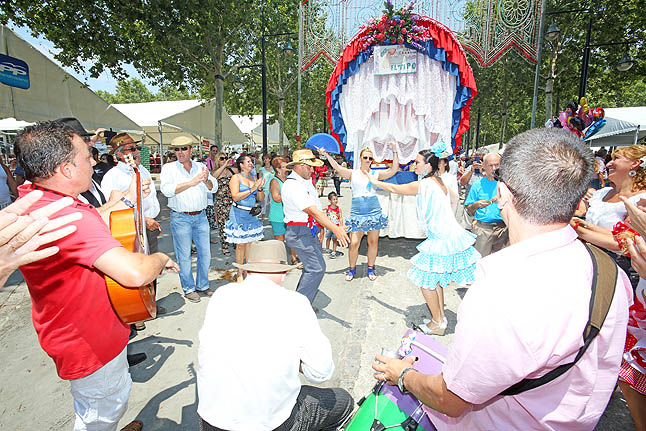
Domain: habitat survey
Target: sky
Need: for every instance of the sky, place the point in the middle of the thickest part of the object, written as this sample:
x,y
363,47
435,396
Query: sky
x,y
104,82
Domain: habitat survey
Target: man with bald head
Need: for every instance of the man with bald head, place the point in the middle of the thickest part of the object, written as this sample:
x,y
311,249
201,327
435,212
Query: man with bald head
x,y
481,203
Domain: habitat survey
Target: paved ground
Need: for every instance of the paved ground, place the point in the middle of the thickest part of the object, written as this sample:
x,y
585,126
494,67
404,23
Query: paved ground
x,y
359,317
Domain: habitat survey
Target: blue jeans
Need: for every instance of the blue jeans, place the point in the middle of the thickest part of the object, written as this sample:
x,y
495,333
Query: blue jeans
x,y
308,250
187,229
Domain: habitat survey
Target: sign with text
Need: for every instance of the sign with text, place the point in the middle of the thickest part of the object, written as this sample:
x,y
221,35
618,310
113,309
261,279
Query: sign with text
x,y
391,59
14,72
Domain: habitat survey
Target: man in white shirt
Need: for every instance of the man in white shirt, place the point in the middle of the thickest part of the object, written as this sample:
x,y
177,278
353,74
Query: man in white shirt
x,y
254,383
302,208
185,183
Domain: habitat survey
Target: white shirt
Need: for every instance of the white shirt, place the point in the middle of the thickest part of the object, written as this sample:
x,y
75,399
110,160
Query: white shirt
x,y
191,199
298,193
453,167
247,377
360,184
119,178
94,189
606,214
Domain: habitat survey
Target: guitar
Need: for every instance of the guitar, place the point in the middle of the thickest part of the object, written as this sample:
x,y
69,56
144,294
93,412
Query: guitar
x,y
132,304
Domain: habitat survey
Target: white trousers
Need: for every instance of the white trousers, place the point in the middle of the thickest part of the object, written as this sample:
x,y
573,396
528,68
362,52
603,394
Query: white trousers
x,y
101,399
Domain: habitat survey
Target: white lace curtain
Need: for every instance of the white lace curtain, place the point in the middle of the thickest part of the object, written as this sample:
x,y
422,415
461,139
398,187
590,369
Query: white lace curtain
x,y
412,109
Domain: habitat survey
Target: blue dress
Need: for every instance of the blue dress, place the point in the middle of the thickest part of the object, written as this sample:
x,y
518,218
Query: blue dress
x,y
242,227
365,212
447,255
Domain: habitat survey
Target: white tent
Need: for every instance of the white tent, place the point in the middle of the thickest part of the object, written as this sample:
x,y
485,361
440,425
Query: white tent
x,y
53,93
624,126
180,118
273,133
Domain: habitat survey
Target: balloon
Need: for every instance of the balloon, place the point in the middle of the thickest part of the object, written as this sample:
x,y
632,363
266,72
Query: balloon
x,y
563,119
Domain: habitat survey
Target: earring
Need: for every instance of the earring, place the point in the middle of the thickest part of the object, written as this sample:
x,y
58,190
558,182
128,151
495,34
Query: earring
x,y
632,173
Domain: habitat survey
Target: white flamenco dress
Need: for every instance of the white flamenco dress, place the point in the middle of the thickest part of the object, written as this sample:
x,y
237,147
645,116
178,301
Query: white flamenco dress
x,y
447,255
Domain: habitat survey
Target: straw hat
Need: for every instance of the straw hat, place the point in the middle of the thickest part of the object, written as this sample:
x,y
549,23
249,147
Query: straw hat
x,y
304,156
266,256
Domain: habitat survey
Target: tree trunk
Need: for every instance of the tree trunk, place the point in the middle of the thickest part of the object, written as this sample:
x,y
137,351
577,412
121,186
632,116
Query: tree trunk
x,y
281,122
219,93
549,86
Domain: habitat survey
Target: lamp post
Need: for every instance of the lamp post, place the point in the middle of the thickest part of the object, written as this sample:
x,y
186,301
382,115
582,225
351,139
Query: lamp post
x,y
553,33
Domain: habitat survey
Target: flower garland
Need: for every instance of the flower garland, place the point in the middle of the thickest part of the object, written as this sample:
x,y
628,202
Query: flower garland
x,y
395,27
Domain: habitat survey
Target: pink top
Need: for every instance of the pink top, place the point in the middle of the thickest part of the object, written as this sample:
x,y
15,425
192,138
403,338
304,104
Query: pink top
x,y
524,316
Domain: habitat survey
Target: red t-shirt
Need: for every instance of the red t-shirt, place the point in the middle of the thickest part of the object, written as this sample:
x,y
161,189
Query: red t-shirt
x,y
71,311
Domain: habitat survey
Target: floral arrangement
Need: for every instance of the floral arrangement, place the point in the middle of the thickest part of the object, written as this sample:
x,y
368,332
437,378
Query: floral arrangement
x,y
395,27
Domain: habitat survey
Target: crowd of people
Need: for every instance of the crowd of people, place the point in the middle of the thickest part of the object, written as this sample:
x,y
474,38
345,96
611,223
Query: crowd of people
x,y
515,237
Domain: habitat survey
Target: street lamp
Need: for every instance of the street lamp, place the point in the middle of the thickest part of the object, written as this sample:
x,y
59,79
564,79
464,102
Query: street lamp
x,y
625,63
553,32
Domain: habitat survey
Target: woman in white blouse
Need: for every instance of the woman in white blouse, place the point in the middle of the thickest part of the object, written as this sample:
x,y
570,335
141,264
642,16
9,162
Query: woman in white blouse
x,y
627,172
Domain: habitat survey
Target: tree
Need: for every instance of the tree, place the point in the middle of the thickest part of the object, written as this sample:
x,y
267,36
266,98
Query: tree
x,y
135,91
190,43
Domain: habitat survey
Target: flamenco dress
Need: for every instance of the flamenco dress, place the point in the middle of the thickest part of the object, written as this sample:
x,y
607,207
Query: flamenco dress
x,y
447,255
242,227
365,213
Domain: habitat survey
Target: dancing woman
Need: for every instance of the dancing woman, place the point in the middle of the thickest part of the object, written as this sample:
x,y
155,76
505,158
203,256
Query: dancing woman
x,y
365,213
448,254
242,227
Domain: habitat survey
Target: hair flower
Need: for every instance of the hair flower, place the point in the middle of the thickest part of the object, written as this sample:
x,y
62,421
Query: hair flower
x,y
643,162
439,149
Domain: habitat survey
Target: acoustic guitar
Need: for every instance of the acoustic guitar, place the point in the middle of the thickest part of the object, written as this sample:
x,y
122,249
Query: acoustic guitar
x,y
131,303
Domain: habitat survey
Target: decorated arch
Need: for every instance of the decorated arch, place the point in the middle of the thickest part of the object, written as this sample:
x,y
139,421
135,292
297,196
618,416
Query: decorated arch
x,y
414,108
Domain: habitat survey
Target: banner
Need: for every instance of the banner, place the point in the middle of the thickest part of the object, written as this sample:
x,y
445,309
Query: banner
x,y
14,72
391,59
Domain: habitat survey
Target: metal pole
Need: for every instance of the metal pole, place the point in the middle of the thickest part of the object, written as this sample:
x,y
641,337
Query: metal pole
x,y
478,132
300,59
586,59
161,148
264,85
539,56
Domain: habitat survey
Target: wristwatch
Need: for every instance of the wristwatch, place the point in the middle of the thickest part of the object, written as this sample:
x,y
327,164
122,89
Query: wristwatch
x,y
400,382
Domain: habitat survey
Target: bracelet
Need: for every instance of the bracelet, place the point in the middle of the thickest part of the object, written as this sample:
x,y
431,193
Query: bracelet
x,y
127,202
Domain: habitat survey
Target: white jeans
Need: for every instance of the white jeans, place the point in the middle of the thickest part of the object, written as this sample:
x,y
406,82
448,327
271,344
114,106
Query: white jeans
x,y
101,399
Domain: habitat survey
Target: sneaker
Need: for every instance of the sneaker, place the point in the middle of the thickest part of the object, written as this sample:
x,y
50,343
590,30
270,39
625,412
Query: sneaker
x,y
337,253
193,297
207,292
327,251
333,255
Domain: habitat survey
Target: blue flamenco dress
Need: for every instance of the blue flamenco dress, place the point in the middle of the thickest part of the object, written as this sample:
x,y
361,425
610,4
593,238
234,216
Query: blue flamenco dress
x,y
365,213
448,254
242,227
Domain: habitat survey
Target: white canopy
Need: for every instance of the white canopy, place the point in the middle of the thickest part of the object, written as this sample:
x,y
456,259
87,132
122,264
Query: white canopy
x,y
273,133
624,126
11,124
180,117
53,93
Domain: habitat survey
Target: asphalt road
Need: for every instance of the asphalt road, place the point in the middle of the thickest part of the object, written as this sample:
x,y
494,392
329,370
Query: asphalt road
x,y
359,317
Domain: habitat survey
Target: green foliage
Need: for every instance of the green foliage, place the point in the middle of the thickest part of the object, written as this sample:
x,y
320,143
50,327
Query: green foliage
x,y
135,91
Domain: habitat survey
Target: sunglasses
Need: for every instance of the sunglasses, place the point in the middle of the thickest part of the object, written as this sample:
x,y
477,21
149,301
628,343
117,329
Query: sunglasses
x,y
223,158
132,149
368,158
180,148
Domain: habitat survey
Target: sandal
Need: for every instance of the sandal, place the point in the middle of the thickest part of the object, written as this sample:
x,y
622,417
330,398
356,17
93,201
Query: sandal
x,y
351,273
439,329
371,273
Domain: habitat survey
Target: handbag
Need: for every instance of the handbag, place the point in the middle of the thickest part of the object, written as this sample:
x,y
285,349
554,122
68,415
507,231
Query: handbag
x,y
604,282
254,211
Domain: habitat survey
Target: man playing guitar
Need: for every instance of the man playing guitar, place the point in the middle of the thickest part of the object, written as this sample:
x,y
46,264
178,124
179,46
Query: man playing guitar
x,y
71,311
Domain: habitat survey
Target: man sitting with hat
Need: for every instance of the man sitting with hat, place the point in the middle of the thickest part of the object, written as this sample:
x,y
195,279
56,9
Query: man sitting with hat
x,y
253,383
185,183
302,208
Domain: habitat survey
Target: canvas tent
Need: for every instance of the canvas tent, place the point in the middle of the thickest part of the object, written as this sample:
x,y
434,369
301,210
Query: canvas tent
x,y
624,126
165,120
273,133
52,92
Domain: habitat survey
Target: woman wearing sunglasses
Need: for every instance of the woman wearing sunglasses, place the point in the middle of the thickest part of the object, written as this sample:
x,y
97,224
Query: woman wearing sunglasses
x,y
223,200
365,213
243,226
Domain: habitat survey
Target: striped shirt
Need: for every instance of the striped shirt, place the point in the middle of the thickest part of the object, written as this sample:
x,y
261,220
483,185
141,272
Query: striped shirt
x,y
191,199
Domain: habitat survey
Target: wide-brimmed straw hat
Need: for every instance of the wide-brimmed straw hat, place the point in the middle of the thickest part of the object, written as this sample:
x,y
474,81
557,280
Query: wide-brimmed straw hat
x,y
304,156
266,256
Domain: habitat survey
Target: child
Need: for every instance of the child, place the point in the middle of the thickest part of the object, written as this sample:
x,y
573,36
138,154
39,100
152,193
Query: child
x,y
334,214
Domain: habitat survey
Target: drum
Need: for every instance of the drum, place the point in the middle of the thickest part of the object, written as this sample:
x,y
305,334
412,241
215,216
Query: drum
x,y
385,407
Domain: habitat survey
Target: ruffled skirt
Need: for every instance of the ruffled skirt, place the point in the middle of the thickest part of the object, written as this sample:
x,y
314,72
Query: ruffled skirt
x,y
366,215
444,261
242,227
